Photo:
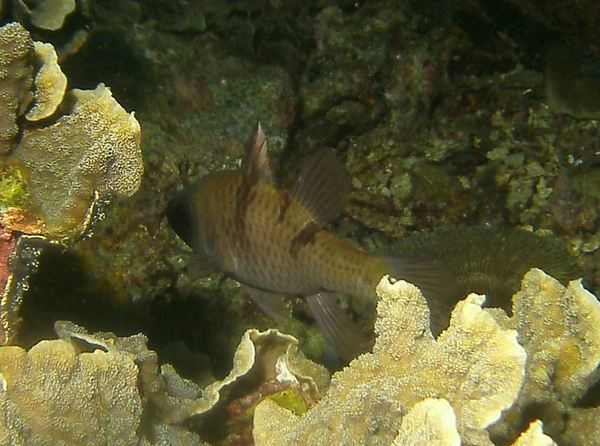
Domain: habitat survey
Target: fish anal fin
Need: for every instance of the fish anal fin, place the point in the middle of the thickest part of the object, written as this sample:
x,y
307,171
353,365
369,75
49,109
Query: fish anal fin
x,y
256,165
340,331
272,304
322,186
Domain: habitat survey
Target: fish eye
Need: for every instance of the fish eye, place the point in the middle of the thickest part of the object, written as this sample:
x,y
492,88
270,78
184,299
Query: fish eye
x,y
179,217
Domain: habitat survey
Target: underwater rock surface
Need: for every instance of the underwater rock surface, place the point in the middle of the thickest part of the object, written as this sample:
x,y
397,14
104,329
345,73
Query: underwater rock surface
x,y
440,110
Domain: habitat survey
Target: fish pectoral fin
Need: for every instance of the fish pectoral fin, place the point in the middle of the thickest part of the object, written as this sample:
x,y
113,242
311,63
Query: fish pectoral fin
x,y
322,186
272,304
196,267
340,331
256,165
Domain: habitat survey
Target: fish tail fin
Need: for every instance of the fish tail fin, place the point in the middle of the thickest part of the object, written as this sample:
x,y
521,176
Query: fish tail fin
x,y
437,284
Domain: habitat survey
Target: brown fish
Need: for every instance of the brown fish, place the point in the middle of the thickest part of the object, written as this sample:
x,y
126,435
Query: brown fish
x,y
274,242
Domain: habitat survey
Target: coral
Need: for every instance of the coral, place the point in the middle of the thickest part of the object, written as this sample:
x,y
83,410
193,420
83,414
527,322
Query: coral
x,y
55,394
93,148
559,327
277,356
431,422
582,427
475,365
51,14
267,365
90,389
50,83
482,380
55,175
15,80
534,436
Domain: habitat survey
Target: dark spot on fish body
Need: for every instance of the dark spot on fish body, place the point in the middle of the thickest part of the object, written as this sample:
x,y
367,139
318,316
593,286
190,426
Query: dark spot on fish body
x,y
244,194
305,237
286,200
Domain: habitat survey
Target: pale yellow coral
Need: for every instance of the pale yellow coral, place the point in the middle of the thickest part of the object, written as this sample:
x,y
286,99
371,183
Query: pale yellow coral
x,y
95,147
534,436
55,395
51,14
476,365
15,80
272,354
431,422
559,327
50,83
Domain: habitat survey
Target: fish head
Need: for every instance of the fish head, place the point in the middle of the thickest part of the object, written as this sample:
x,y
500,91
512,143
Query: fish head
x,y
196,213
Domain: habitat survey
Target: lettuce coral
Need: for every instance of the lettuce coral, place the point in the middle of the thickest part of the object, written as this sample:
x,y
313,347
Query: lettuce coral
x,y
559,327
484,378
54,394
89,150
86,389
15,81
476,365
93,148
276,357
61,155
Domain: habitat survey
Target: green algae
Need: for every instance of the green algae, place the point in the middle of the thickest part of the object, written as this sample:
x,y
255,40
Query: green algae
x,y
291,400
13,188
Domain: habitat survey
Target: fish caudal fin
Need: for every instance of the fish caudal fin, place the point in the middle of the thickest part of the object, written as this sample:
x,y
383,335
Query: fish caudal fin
x,y
435,282
340,331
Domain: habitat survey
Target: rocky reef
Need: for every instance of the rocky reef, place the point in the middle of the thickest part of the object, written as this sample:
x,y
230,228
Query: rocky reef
x,y
445,114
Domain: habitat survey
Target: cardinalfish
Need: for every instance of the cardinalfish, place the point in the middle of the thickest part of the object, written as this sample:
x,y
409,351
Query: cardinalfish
x,y
274,241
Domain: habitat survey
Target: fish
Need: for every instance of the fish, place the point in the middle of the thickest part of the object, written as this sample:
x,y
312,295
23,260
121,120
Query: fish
x,y
275,242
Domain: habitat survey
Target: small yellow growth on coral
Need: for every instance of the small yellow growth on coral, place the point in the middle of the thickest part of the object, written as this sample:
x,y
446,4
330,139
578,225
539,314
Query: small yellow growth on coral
x,y
291,400
12,187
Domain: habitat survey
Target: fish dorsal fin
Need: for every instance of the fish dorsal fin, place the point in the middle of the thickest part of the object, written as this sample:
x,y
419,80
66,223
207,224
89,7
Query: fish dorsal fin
x,y
323,186
256,164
